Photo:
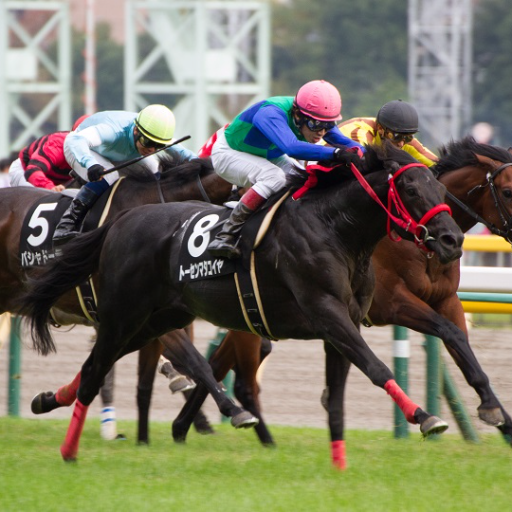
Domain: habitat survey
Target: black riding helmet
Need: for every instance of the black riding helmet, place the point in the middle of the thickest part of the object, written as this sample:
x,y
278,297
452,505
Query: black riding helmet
x,y
398,116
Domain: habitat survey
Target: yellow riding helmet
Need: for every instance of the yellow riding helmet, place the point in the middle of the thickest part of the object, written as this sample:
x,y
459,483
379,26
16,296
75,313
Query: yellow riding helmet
x,y
156,122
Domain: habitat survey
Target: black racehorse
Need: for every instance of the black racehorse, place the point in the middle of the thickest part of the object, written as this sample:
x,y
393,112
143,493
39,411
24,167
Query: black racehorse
x,y
313,269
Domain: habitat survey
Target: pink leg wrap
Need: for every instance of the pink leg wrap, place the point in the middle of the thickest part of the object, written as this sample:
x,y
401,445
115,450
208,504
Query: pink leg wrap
x,y
252,199
66,395
69,448
407,406
339,459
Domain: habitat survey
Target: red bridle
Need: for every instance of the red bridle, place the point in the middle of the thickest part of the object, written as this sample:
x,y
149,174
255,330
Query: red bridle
x,y
404,219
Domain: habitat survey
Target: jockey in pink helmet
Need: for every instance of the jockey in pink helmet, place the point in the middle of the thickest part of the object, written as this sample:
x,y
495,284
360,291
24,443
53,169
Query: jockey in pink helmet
x,y
262,144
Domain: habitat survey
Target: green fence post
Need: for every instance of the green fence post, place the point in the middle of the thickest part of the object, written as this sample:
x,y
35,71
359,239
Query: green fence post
x,y
433,378
401,354
14,368
228,381
457,407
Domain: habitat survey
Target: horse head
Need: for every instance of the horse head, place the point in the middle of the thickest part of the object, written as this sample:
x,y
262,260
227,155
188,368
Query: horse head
x,y
479,181
415,202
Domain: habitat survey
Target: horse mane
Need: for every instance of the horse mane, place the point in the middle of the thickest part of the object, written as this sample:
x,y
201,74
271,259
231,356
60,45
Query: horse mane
x,y
175,174
462,153
377,158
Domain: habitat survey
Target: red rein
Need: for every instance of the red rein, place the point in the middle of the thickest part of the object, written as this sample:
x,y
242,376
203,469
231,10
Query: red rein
x,y
405,221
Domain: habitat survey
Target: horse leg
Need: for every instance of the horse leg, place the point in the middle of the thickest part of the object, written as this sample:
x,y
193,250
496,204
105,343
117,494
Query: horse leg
x,y
249,350
148,360
64,397
175,338
108,426
417,315
333,399
347,340
185,355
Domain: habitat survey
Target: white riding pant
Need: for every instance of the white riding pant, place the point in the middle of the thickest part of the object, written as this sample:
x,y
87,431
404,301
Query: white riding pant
x,y
82,171
245,170
17,175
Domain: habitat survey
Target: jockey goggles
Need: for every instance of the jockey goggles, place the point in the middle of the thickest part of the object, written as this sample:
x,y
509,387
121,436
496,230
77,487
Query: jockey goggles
x,y
150,144
399,137
316,126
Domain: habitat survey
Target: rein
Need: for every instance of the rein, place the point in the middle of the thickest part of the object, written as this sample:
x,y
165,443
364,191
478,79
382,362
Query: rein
x,y
199,186
404,219
505,233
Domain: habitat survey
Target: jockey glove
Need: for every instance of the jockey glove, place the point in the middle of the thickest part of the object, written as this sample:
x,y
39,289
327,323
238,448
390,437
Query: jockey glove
x,y
94,173
346,156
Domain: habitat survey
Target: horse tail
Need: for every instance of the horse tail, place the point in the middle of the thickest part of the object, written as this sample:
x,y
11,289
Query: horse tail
x,y
78,261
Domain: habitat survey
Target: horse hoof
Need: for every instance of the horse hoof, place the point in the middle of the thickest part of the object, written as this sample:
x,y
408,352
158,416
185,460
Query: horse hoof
x,y
67,454
244,420
493,417
180,384
433,425
43,403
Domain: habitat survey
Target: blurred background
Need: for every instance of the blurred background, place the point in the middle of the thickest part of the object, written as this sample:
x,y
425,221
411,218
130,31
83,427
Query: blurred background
x,y
207,60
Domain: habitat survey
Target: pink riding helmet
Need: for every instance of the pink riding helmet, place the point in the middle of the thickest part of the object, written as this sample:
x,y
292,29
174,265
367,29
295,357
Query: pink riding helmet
x,y
320,100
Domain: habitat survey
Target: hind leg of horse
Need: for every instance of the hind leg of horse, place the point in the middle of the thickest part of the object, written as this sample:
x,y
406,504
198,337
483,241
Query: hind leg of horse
x,y
187,356
449,324
249,350
148,360
336,372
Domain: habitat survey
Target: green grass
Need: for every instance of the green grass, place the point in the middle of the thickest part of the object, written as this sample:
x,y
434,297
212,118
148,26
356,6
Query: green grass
x,y
230,471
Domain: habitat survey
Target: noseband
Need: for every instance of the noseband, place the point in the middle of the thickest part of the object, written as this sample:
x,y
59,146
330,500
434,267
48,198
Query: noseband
x,y
403,218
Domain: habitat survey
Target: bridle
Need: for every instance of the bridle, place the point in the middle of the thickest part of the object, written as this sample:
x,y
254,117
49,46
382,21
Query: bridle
x,y
506,219
403,219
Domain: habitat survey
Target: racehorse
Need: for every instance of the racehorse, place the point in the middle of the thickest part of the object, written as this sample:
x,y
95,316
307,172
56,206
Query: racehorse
x,y
192,180
313,266
421,295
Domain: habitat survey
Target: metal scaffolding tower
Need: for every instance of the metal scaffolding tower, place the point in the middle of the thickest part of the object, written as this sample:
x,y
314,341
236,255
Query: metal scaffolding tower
x,y
440,60
35,83
216,57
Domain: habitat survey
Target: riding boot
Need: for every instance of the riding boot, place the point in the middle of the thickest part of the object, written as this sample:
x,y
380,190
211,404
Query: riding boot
x,y
69,225
224,245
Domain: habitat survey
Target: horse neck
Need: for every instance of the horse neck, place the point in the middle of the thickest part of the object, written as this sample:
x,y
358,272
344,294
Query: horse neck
x,y
463,183
135,193
358,221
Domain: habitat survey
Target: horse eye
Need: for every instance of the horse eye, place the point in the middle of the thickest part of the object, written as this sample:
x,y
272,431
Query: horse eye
x,y
410,191
507,193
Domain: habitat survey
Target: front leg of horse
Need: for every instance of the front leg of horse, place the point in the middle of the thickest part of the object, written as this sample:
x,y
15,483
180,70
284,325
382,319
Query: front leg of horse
x,y
349,342
336,372
449,326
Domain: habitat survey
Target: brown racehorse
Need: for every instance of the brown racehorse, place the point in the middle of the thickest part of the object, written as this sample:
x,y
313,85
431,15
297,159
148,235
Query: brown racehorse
x,y
420,295
192,180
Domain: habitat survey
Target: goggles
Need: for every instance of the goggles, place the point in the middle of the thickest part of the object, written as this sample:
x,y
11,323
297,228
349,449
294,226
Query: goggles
x,y
316,126
399,137
149,144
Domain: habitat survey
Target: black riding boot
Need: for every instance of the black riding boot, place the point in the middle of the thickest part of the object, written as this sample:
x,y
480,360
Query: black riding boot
x,y
224,244
69,225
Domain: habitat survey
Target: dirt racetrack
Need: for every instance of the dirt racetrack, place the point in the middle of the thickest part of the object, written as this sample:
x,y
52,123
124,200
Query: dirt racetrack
x,y
292,382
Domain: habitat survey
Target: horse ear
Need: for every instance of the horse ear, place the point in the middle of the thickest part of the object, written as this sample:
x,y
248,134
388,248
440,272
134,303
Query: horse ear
x,y
509,150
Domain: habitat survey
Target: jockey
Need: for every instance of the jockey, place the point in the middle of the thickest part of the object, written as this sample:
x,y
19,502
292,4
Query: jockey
x,y
42,163
257,149
397,121
114,136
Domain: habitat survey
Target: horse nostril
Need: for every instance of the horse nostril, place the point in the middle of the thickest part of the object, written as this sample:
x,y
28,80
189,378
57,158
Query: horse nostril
x,y
452,240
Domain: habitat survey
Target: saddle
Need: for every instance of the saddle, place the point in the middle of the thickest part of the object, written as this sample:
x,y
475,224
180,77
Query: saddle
x,y
195,262
36,246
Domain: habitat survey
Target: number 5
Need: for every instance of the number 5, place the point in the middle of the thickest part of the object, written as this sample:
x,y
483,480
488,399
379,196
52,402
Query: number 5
x,y
40,222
